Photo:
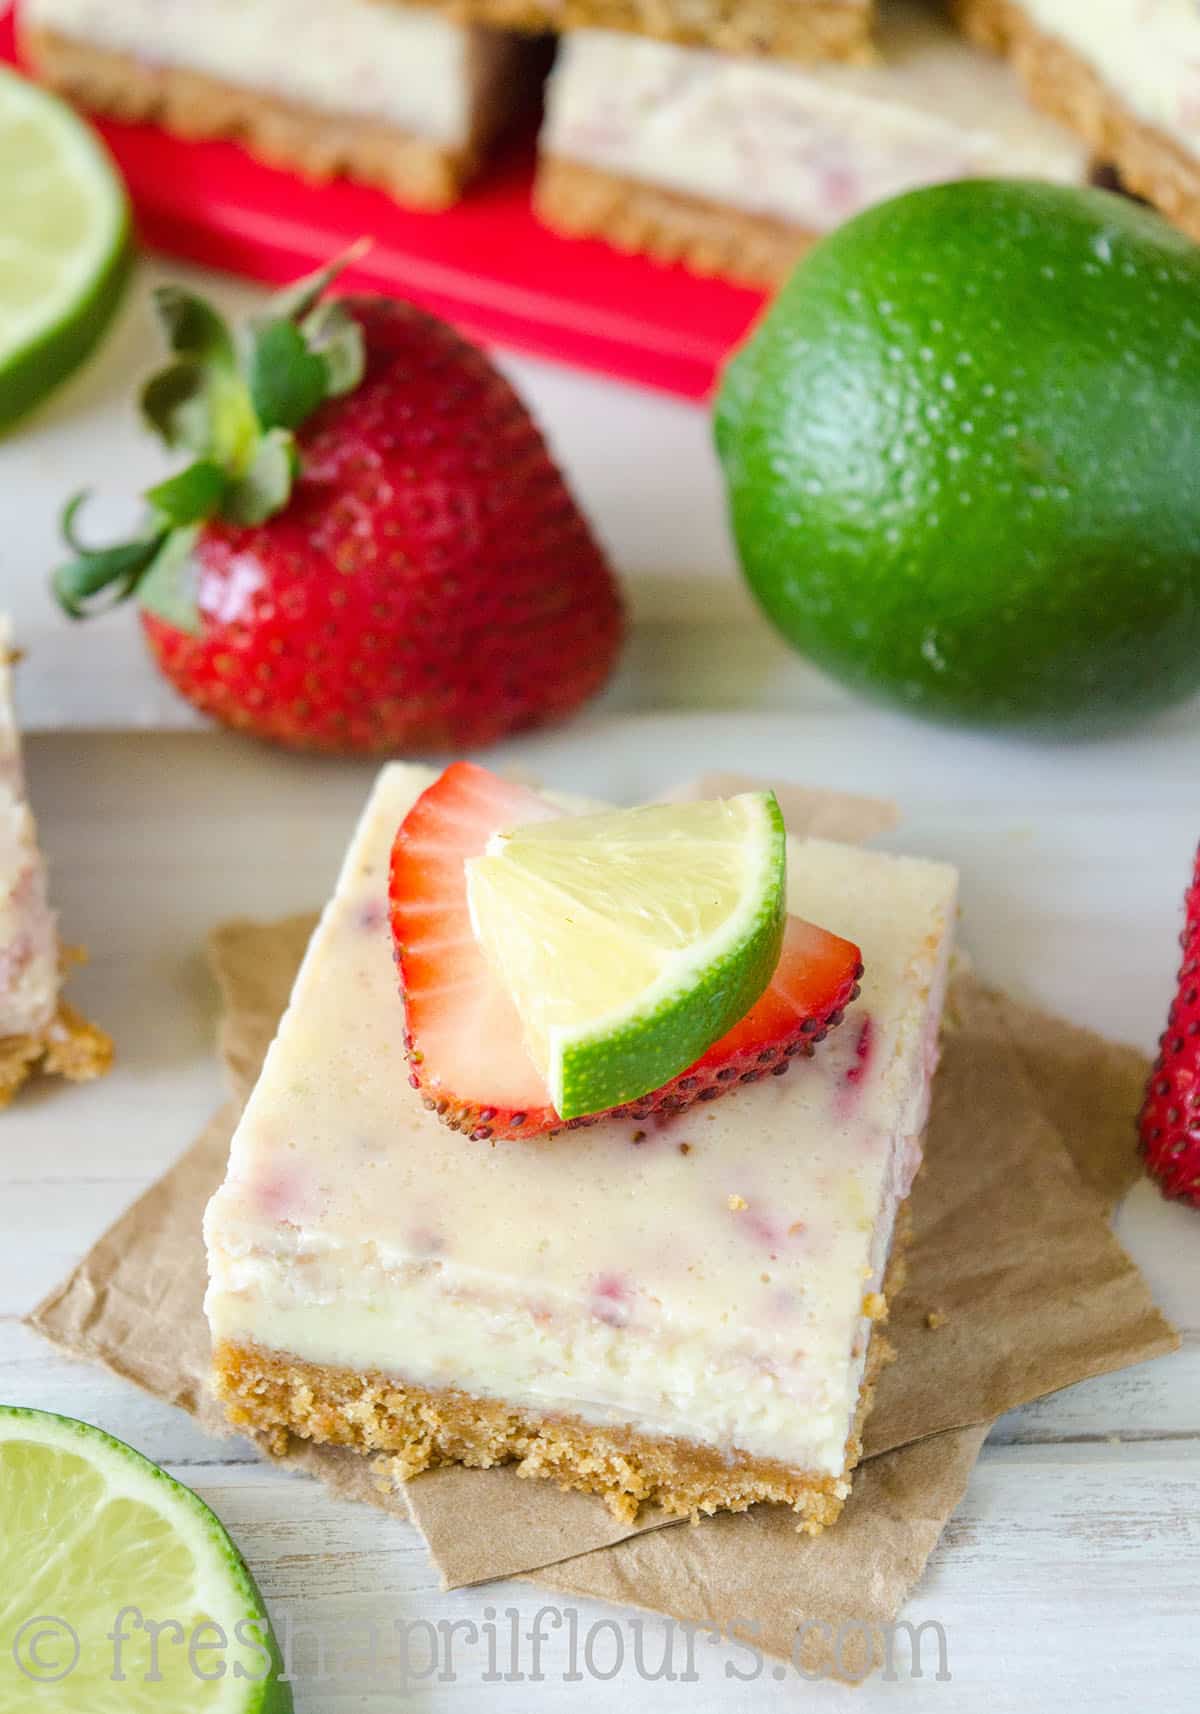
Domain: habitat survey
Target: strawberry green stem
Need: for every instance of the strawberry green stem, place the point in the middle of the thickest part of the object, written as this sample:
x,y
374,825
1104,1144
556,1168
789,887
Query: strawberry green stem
x,y
235,403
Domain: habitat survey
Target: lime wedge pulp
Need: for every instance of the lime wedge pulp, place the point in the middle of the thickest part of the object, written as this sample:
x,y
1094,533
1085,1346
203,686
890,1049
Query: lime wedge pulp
x,y
64,243
120,1592
632,940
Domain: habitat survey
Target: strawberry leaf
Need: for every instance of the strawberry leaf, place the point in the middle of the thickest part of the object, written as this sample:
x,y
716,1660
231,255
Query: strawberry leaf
x,y
332,333
296,300
202,410
115,571
157,566
192,495
167,588
70,513
265,487
233,405
193,328
177,404
286,381
199,402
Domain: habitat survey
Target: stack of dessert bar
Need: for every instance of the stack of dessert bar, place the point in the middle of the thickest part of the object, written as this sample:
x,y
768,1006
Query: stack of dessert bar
x,y
726,134
736,162
392,95
1123,74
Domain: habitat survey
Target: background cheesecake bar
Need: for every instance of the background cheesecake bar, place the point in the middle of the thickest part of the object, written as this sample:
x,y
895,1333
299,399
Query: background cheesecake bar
x,y
679,1311
389,94
777,29
1124,74
737,167
37,1028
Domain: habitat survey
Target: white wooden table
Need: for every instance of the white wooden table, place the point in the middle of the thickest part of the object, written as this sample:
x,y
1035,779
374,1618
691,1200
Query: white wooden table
x,y
1071,1573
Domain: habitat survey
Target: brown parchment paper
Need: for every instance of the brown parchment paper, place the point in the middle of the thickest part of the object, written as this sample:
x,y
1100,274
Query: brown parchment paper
x,y
1030,1142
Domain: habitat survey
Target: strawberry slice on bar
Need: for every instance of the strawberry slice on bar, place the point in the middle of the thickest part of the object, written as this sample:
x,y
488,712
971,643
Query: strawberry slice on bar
x,y
465,1047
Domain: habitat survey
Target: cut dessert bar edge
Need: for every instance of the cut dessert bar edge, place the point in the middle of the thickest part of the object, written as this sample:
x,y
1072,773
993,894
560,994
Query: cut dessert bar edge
x,y
68,1047
278,1398
1067,88
586,202
804,30
414,169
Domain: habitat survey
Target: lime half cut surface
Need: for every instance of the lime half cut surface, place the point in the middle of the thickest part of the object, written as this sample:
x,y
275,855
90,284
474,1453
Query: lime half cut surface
x,y
120,1592
64,243
631,941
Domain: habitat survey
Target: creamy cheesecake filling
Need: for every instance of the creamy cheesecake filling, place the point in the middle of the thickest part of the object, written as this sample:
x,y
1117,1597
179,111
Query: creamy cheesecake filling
x,y
28,930
1147,51
614,1360
705,1277
807,145
399,64
556,1364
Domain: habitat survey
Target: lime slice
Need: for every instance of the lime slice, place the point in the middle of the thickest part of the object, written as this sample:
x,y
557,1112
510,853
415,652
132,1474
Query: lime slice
x,y
119,1590
631,941
64,243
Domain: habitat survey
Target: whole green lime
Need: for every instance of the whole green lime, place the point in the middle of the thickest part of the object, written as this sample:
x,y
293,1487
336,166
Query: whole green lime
x,y
963,456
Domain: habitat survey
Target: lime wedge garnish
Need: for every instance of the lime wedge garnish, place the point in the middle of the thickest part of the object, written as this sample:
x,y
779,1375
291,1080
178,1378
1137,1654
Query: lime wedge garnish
x,y
119,1590
64,242
631,941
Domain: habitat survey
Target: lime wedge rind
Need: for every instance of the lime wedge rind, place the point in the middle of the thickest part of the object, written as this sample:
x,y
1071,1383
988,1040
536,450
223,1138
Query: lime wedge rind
x,y
50,158
546,897
698,999
58,1581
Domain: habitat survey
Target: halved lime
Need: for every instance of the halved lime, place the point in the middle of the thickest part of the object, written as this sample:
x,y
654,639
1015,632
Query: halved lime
x,y
64,242
632,940
120,1592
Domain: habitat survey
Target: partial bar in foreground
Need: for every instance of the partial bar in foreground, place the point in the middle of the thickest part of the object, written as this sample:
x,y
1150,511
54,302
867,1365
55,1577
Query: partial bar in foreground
x,y
38,1030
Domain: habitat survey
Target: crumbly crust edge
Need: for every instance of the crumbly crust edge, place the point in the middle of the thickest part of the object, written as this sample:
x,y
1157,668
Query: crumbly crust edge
x,y
404,1429
68,1047
708,237
804,30
1061,84
414,169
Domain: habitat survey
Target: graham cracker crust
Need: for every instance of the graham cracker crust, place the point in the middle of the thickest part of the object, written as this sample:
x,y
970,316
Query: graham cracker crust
x,y
414,169
804,30
1060,83
707,237
408,1429
68,1047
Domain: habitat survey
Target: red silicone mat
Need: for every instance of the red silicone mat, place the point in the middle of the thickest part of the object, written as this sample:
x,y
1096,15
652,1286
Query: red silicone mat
x,y
485,265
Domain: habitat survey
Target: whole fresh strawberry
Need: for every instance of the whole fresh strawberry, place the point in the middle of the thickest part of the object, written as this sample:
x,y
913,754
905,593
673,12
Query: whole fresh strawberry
x,y
371,549
1170,1122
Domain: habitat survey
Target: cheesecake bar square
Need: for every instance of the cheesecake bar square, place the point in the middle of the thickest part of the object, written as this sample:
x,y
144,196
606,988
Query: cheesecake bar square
x,y
680,1311
1123,74
736,166
392,95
